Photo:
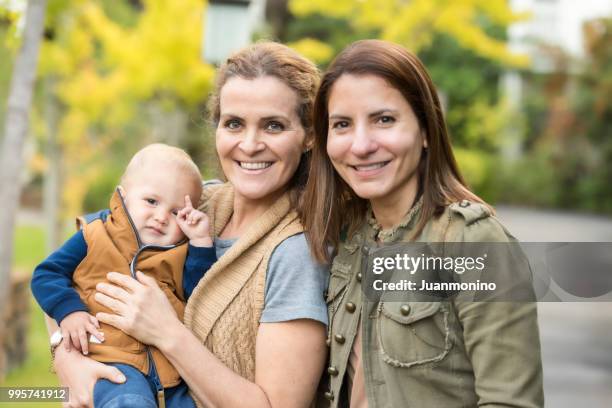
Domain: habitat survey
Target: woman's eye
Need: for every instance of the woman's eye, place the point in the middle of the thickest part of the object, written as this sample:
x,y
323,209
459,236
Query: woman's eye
x,y
151,201
386,119
175,212
341,124
274,127
232,124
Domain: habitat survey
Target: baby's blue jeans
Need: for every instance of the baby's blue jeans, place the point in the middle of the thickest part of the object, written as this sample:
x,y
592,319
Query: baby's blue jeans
x,y
138,391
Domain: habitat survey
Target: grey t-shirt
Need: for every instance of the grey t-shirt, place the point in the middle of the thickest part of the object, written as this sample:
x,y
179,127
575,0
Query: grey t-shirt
x,y
294,282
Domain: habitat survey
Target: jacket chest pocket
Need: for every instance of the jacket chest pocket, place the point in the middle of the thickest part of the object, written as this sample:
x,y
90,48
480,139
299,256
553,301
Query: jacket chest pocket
x,y
413,333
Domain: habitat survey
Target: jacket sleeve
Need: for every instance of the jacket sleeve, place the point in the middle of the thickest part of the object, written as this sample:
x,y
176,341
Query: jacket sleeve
x,y
52,280
198,261
501,337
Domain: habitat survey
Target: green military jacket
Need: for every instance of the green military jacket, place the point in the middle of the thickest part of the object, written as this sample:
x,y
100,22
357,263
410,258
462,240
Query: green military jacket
x,y
432,354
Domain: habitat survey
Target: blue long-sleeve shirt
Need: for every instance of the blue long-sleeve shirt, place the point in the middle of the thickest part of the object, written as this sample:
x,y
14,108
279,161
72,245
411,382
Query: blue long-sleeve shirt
x,y
52,279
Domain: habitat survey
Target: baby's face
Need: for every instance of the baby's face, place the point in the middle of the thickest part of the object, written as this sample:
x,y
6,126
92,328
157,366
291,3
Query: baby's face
x,y
153,199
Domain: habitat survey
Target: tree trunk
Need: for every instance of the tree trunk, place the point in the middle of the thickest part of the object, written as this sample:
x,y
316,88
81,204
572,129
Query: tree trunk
x,y
15,132
168,126
277,16
52,183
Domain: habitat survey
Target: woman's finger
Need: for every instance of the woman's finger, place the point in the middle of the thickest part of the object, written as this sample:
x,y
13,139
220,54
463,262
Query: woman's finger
x,y
112,374
79,373
146,280
113,320
113,291
125,281
113,304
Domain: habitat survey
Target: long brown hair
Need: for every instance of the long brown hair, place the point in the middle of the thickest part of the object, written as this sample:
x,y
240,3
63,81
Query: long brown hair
x,y
269,58
330,206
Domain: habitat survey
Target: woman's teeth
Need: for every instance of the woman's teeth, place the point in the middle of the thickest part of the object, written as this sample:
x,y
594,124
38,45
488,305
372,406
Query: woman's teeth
x,y
372,166
255,165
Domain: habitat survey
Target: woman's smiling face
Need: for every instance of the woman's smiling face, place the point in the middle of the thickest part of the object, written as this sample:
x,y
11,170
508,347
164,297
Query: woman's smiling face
x,y
259,137
374,139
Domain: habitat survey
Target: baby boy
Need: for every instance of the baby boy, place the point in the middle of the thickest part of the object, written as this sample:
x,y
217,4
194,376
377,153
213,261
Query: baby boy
x,y
151,226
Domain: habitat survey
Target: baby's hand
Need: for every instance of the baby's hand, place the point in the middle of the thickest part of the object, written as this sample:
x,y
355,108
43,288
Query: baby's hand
x,y
195,225
75,327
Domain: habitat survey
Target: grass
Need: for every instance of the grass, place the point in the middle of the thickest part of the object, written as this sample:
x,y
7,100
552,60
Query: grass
x,y
29,247
29,251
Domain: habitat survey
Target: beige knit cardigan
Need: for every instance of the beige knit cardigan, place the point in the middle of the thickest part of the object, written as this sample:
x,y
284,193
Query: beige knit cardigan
x,y
226,305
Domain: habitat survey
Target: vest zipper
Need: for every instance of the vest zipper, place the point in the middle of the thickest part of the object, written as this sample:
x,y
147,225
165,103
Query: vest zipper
x,y
161,400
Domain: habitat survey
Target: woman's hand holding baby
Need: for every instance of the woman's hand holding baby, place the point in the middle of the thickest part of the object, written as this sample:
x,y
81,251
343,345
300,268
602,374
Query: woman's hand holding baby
x,y
195,225
75,328
139,308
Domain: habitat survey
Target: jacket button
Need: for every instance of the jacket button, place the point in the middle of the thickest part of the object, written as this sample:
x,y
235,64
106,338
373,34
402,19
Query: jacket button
x,y
339,338
333,371
329,395
405,310
359,277
350,307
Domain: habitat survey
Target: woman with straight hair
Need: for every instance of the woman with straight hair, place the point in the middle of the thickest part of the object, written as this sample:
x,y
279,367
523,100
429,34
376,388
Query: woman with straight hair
x,y
253,333
383,172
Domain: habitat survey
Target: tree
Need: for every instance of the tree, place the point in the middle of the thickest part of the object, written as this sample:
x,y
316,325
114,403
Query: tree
x,y
416,23
462,43
568,147
124,76
587,141
15,132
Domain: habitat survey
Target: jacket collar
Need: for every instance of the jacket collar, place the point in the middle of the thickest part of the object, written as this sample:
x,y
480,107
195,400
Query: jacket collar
x,y
121,227
375,231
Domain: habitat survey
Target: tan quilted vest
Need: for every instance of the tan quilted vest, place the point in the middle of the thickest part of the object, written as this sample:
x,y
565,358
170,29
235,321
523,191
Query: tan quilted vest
x,y
225,307
111,246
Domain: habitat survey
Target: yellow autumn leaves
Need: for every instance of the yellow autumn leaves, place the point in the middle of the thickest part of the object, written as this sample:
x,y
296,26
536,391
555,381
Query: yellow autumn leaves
x,y
414,23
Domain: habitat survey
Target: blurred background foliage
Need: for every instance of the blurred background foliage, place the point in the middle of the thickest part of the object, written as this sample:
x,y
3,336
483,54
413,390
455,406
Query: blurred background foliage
x,y
553,150
117,74
113,76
